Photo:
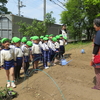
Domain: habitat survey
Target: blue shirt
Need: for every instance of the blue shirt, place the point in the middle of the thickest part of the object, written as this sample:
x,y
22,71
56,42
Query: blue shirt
x,y
97,38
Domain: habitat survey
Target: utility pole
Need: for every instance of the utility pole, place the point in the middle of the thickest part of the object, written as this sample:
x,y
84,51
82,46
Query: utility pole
x,y
44,8
20,5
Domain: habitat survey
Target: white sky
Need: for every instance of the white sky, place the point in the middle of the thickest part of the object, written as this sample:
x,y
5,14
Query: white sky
x,y
34,8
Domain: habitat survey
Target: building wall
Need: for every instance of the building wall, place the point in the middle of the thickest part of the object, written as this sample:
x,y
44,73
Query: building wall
x,y
5,27
9,27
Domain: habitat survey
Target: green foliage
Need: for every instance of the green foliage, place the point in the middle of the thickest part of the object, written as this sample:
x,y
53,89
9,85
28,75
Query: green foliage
x,y
77,45
36,28
79,16
49,20
3,9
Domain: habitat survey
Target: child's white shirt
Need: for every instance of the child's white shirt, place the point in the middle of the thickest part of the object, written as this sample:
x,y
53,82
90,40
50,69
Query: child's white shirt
x,y
17,53
12,46
36,49
45,47
49,43
23,45
7,55
40,43
61,42
26,51
57,45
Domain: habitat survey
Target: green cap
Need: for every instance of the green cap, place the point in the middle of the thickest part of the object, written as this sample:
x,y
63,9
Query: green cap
x,y
65,38
41,37
16,39
50,35
46,35
24,40
31,37
57,37
45,39
35,38
29,43
61,35
4,39
54,39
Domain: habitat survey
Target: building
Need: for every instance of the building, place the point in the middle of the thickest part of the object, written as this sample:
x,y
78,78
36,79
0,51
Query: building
x,y
9,28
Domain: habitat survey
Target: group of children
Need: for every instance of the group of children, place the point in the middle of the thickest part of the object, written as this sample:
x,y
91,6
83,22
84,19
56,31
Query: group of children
x,y
18,52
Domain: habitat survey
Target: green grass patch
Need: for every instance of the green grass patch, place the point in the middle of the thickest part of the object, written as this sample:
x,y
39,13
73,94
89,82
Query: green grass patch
x,y
71,46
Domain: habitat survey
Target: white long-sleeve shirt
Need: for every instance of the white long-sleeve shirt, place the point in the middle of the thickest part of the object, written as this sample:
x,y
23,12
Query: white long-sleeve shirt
x,y
51,45
45,47
61,42
7,55
12,46
57,45
26,51
17,53
36,49
40,43
23,45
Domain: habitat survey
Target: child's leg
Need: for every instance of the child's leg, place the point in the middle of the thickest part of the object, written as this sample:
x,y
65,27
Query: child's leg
x,y
12,77
26,67
16,72
44,62
8,79
11,73
19,68
7,74
36,64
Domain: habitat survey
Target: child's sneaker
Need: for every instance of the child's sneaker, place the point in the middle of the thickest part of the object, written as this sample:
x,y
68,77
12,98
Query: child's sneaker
x,y
8,84
13,85
46,67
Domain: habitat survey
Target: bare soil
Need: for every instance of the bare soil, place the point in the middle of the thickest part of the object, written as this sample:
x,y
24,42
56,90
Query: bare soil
x,y
74,80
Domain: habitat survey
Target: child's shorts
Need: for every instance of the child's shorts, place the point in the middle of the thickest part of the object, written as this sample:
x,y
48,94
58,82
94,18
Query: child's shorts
x,y
37,57
8,64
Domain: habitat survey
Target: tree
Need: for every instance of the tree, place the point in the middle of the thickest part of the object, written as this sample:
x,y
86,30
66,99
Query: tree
x,y
79,16
92,11
49,20
74,17
3,9
36,28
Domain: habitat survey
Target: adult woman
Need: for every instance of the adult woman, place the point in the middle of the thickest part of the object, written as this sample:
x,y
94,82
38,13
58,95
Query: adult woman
x,y
96,51
63,31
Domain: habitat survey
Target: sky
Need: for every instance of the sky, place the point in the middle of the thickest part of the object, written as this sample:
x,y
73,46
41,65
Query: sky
x,y
34,8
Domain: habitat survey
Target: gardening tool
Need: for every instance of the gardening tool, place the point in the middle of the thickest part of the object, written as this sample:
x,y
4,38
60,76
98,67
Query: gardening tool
x,y
82,51
65,62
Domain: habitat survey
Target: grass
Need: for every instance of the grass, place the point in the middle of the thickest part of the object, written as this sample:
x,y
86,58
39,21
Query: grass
x,y
71,46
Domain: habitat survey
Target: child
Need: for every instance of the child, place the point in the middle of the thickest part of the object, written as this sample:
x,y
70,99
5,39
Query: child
x,y
50,46
24,40
57,46
18,57
54,51
45,52
7,62
36,52
62,43
41,43
26,51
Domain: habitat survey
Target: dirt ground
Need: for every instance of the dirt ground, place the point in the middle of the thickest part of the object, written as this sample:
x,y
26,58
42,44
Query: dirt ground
x,y
73,81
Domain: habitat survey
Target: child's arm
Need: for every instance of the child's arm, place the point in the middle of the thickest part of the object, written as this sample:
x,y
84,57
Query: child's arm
x,y
2,58
33,49
15,54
